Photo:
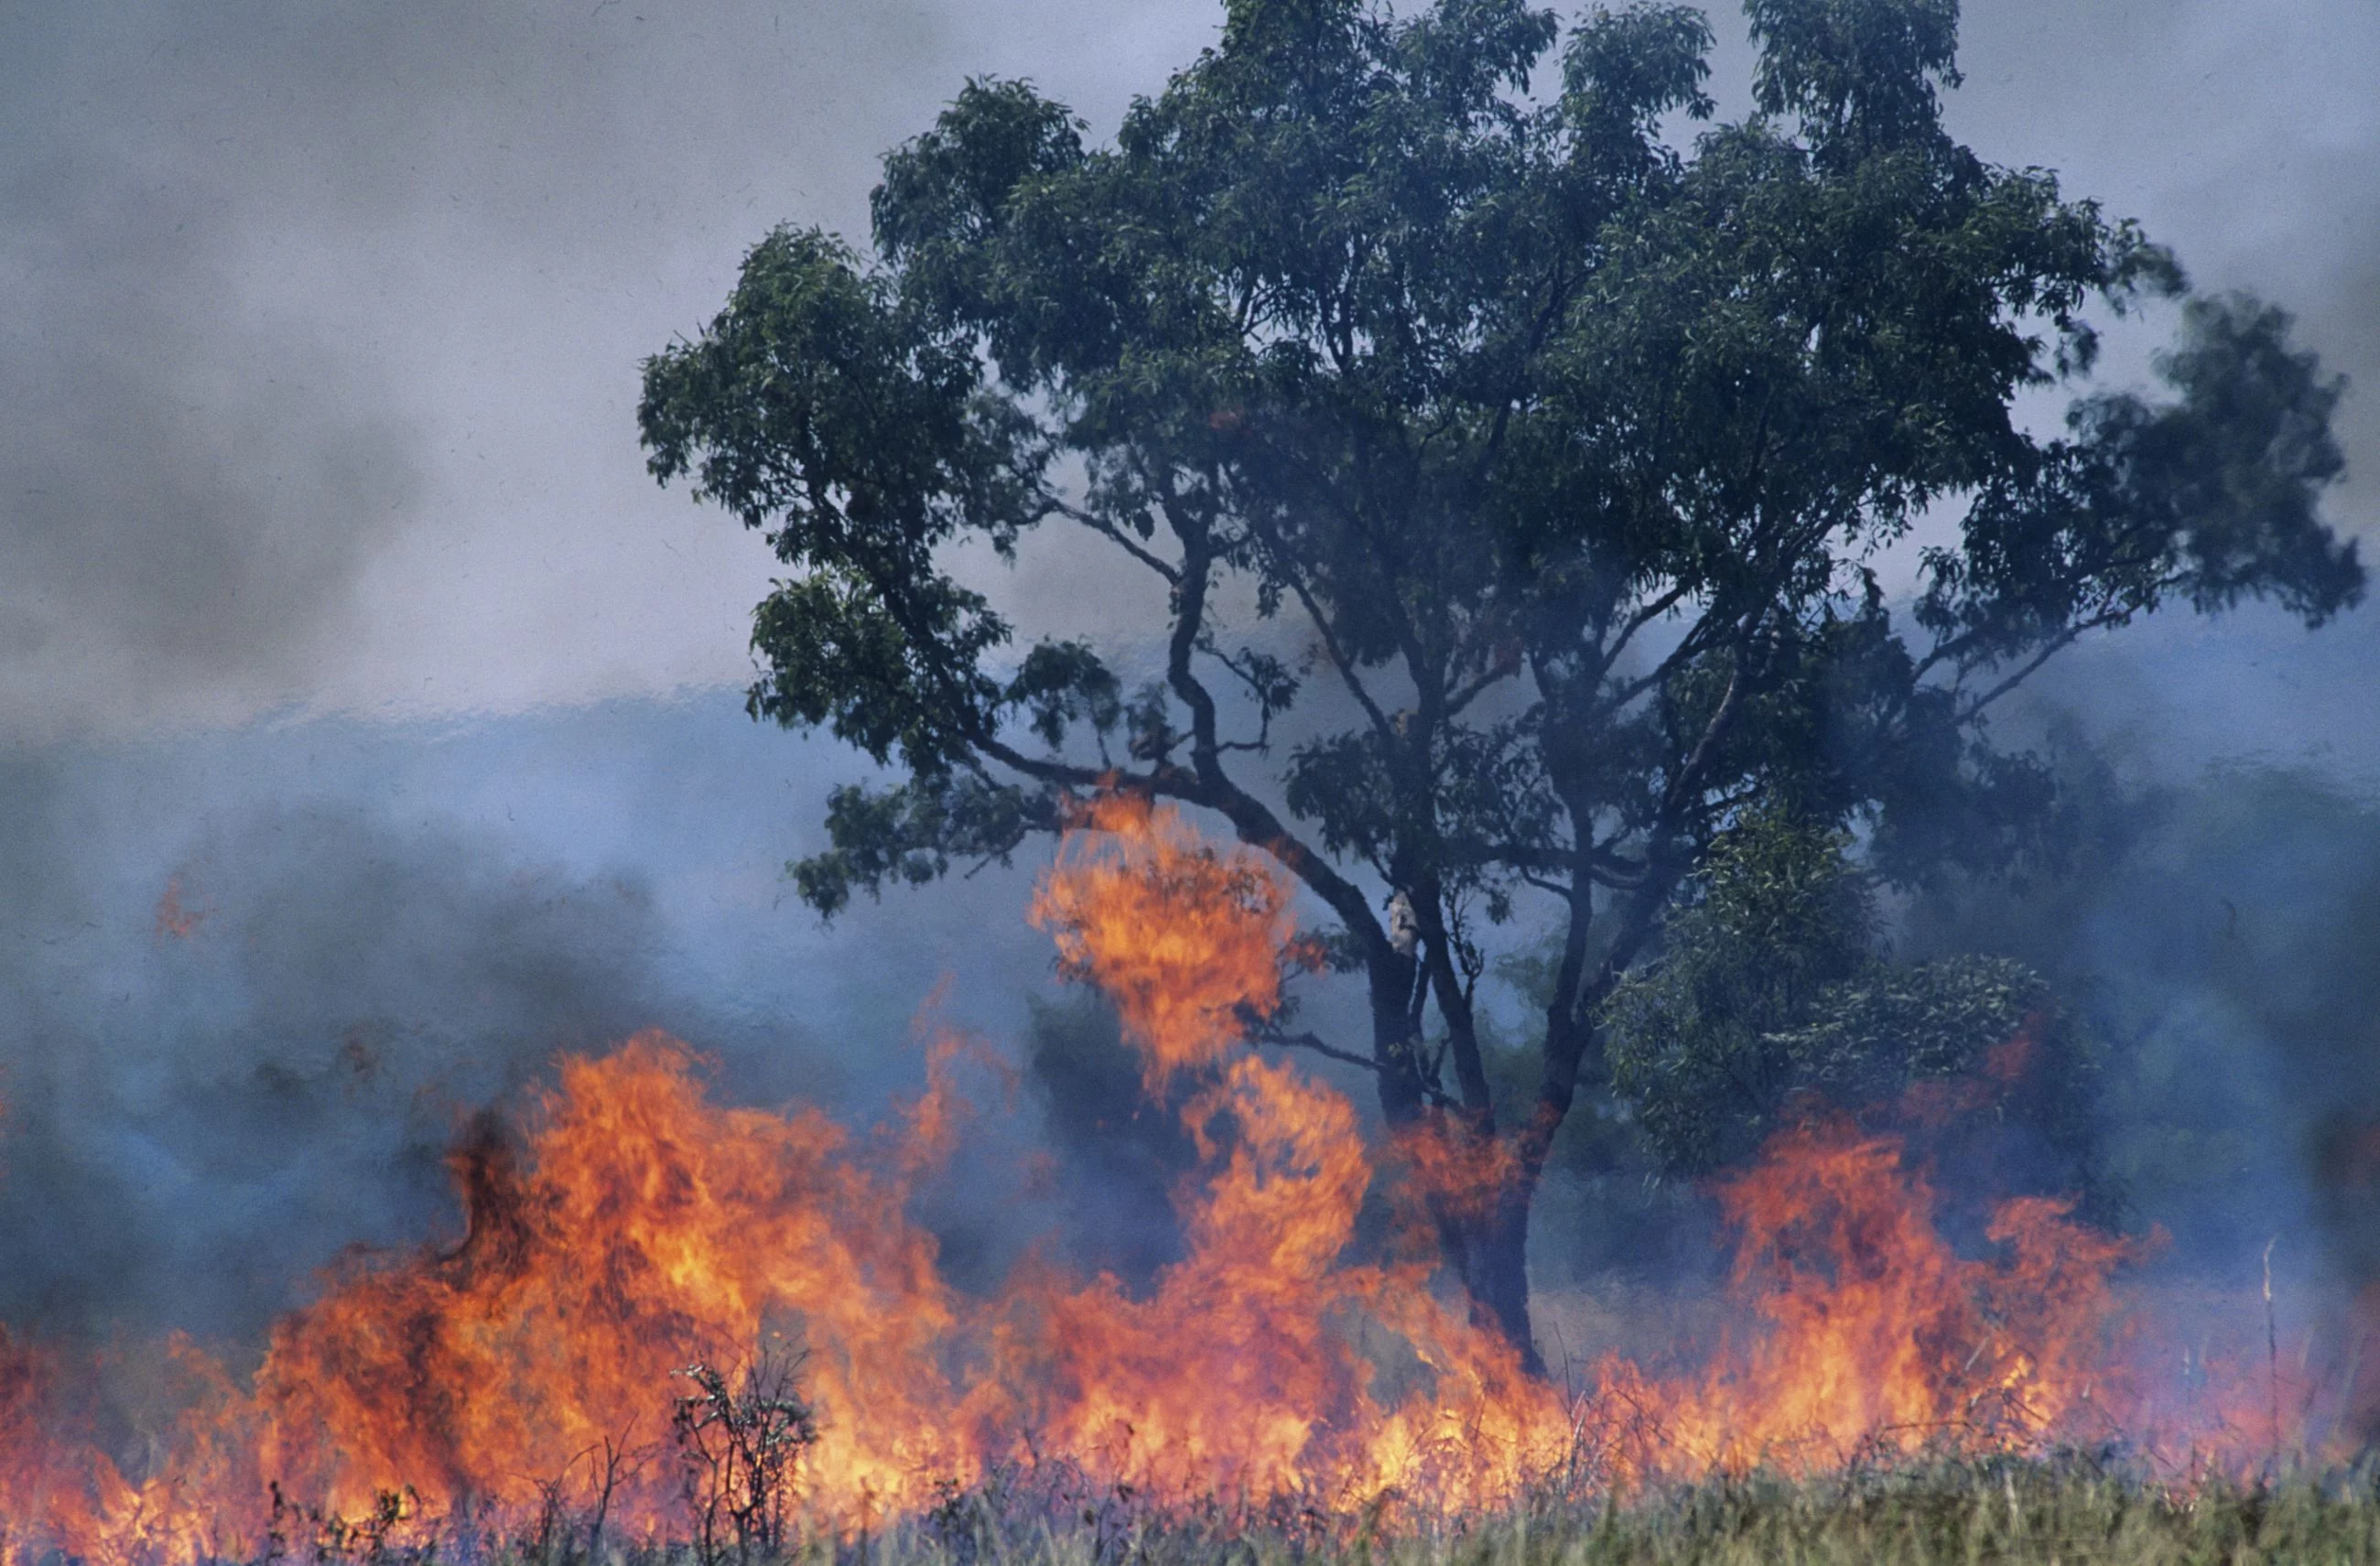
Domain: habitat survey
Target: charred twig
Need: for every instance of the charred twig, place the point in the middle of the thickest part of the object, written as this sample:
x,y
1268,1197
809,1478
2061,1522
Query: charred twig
x,y
1431,1090
1309,1042
741,1443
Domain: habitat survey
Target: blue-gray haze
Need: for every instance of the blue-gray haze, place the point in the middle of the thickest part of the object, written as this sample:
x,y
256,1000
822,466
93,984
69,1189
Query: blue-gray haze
x,y
333,592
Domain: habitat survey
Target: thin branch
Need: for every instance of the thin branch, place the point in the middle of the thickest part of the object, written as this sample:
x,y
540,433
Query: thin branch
x,y
1696,641
1645,616
1495,674
1308,1041
2056,644
1243,666
1063,774
1116,535
1338,659
1673,798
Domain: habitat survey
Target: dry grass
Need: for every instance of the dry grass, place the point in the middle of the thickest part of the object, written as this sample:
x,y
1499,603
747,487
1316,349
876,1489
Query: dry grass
x,y
2073,1514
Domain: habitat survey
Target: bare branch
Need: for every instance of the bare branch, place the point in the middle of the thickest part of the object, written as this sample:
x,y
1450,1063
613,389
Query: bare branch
x,y
1650,612
1338,658
1117,536
1495,674
1308,1041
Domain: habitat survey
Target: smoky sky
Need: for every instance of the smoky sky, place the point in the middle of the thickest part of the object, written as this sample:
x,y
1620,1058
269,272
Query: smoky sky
x,y
319,343
333,593
319,339
258,980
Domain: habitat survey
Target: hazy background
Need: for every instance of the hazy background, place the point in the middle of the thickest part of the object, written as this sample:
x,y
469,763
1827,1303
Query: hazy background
x,y
335,599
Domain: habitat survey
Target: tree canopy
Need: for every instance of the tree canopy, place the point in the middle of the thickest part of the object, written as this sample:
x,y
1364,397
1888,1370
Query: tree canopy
x,y
1540,465
1772,990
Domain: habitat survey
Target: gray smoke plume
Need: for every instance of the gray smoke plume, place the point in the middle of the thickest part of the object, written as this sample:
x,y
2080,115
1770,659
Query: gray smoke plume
x,y
202,1105
319,339
258,984
2216,926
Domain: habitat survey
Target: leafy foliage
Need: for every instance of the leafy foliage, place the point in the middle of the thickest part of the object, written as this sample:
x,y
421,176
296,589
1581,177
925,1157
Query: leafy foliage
x,y
1540,464
1771,989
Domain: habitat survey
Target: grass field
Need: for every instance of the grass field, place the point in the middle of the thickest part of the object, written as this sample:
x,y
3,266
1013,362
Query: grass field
x,y
2072,1513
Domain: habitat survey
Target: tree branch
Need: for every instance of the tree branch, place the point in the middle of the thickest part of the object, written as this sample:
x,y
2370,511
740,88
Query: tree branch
x,y
1308,1041
1117,536
2057,644
1336,654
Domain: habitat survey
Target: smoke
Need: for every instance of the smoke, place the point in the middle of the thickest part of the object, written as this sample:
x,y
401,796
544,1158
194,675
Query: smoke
x,y
2239,135
202,1108
1119,1158
319,356
2215,930
189,478
319,340
261,980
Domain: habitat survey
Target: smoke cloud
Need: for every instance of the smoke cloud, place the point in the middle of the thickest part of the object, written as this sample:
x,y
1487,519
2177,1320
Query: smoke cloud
x,y
319,349
318,353
259,982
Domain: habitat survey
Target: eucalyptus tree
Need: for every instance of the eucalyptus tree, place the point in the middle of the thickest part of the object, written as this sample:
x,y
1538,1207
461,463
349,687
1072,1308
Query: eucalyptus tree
x,y
1541,463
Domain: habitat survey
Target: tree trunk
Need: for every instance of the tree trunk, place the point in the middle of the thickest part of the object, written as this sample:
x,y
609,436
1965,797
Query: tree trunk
x,y
1396,1051
1485,1245
1496,1272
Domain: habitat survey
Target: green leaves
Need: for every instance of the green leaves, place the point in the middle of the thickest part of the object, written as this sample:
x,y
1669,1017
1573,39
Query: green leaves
x,y
1771,987
911,834
822,409
2240,462
883,676
2211,498
1860,73
816,405
1534,463
1065,683
1622,72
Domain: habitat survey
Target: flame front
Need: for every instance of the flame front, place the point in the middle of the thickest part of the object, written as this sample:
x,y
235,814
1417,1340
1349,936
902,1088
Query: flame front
x,y
629,1226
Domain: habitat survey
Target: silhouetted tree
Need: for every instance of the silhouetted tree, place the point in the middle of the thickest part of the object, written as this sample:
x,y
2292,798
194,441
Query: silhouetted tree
x,y
1557,453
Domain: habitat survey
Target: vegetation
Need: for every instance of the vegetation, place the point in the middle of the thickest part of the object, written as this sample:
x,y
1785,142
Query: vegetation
x,y
2073,1513
2002,1511
741,1439
1534,468
1773,988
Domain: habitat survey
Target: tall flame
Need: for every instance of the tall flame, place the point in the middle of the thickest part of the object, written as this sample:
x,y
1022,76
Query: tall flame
x,y
627,1227
1184,939
1878,1334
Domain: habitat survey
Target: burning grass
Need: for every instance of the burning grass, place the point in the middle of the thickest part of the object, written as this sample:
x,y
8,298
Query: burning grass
x,y
606,1362
2075,1511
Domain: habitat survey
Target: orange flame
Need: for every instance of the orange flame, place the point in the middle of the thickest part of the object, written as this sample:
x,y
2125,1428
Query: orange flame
x,y
1187,939
1447,1163
1877,1335
627,1226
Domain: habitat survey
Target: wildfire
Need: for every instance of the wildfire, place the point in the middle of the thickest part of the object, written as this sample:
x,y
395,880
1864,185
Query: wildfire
x,y
628,1228
1879,1335
1186,941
